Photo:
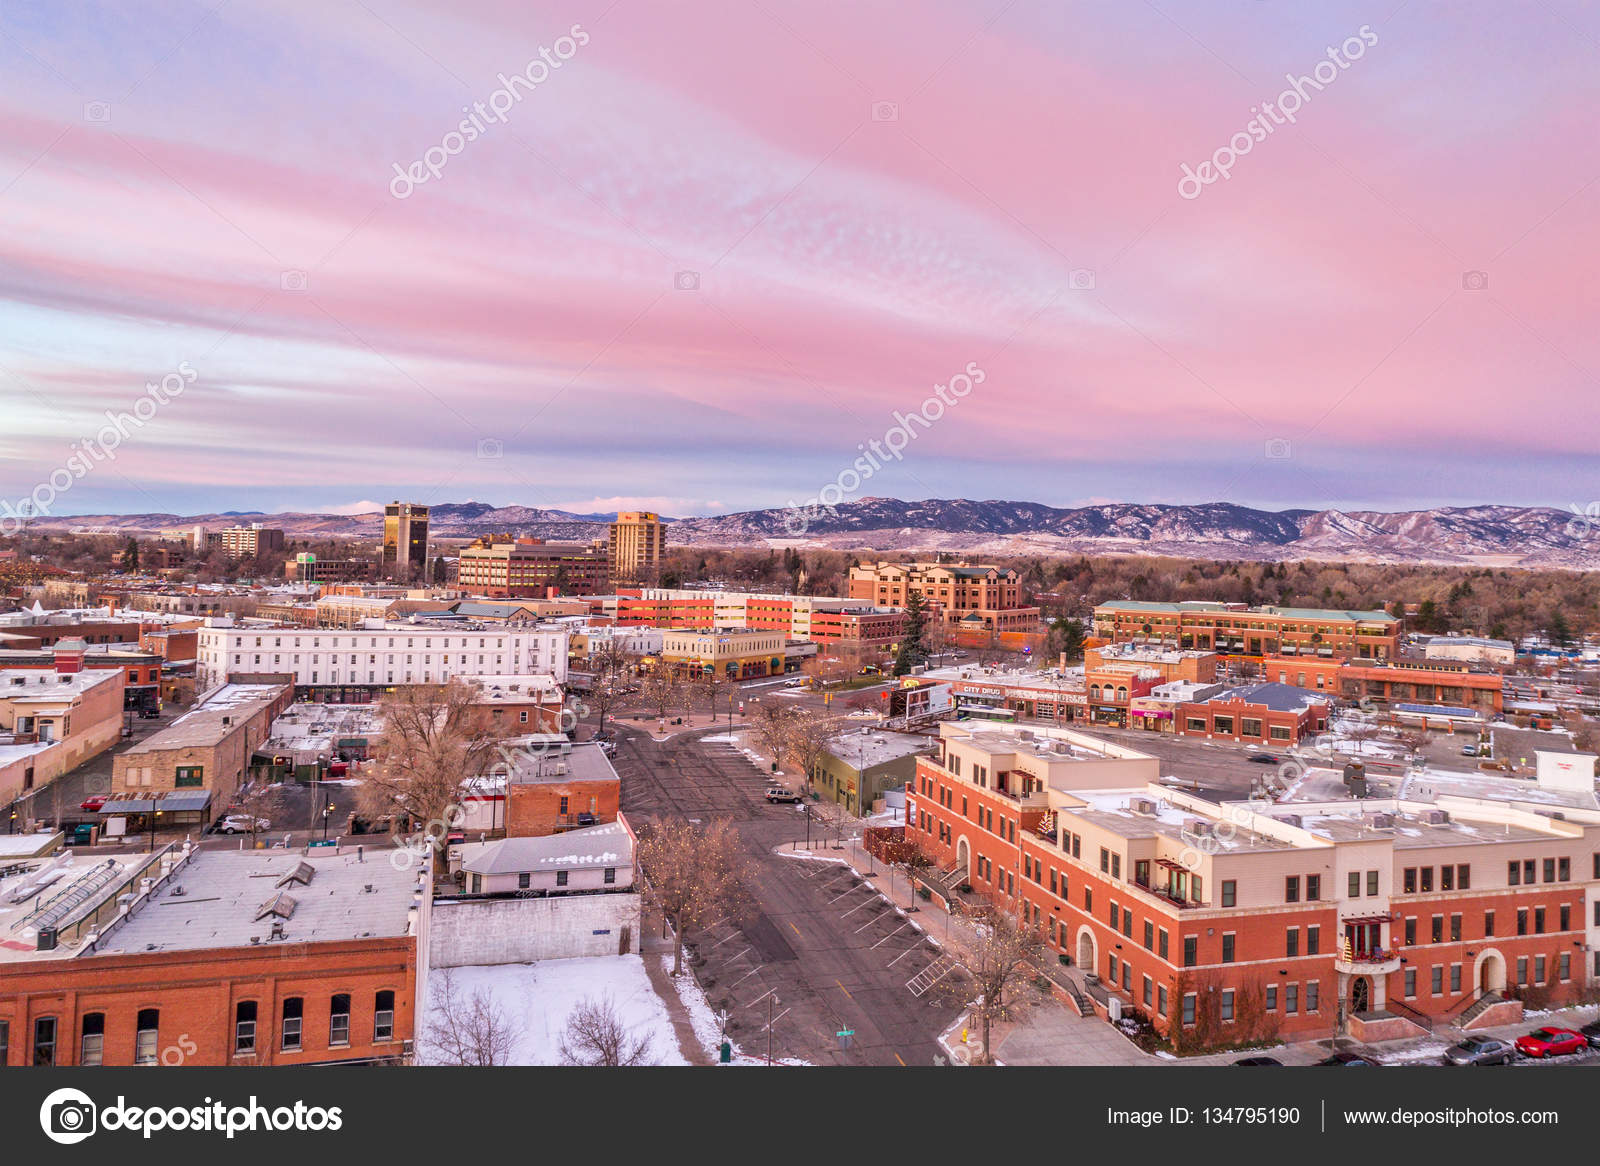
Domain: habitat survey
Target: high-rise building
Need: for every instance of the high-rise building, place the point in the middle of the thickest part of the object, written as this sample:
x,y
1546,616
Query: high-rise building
x,y
405,541
245,542
502,567
638,541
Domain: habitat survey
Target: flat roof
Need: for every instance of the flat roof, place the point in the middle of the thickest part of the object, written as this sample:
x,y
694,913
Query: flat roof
x,y
605,845
862,749
224,891
204,725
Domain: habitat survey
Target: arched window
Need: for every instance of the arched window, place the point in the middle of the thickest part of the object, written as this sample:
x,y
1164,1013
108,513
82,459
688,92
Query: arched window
x,y
339,1021
383,1016
244,1028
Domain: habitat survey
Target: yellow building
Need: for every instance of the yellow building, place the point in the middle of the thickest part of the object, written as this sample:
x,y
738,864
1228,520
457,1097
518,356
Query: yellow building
x,y
735,655
638,541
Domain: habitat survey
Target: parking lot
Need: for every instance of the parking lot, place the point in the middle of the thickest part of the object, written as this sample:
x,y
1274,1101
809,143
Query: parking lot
x,y
822,951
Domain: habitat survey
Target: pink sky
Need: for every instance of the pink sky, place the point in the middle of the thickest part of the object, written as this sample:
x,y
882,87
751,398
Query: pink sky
x,y
1314,302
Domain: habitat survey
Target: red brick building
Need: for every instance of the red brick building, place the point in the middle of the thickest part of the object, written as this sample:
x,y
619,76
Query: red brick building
x,y
976,603
1228,924
231,958
1233,629
1271,715
554,785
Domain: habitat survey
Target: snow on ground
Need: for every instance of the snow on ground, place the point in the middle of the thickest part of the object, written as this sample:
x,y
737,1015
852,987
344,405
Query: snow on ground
x,y
1425,1052
537,999
708,1026
721,739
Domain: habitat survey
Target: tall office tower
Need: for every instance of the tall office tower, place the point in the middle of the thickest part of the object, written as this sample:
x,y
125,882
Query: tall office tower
x,y
638,542
405,541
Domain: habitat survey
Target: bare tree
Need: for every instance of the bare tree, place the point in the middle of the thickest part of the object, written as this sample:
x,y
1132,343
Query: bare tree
x,y
998,961
773,723
597,1035
260,801
433,741
694,874
661,691
472,1031
808,735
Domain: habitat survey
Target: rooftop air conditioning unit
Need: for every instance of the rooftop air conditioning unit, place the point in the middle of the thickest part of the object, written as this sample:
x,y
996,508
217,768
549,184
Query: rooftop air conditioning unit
x,y
1290,819
1199,827
1436,817
1142,806
1381,821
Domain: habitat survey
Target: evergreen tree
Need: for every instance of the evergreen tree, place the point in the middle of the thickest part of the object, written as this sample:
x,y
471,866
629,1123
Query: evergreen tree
x,y
130,556
912,652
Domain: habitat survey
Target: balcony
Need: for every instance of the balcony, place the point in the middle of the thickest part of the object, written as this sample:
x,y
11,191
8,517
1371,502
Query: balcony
x,y
1368,963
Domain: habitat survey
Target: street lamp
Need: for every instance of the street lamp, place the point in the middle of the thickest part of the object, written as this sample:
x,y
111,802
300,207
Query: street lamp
x,y
154,814
327,809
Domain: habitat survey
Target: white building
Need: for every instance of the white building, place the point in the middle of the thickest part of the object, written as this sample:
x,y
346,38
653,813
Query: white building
x,y
381,654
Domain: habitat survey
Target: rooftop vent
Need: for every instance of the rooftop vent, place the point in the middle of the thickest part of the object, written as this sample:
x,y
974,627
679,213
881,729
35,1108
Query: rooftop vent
x,y
1142,806
1290,819
280,906
1381,821
1436,817
300,875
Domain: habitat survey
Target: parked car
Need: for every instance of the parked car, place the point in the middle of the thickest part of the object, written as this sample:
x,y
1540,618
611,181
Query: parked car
x,y
1347,1059
1263,758
1591,1033
1480,1050
780,794
1258,1061
91,805
1551,1042
240,824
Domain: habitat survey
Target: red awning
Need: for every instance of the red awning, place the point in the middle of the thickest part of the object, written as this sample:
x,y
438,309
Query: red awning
x,y
1360,919
1168,864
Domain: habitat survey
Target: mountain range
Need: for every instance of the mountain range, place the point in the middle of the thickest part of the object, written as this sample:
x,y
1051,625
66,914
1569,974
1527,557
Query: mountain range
x,y
1478,535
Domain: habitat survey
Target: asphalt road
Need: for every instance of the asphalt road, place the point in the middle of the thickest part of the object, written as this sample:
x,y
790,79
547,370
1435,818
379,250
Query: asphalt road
x,y
820,952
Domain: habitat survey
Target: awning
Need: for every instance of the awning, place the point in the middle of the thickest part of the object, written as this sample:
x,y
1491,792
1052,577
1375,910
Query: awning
x,y
166,801
1168,864
1359,920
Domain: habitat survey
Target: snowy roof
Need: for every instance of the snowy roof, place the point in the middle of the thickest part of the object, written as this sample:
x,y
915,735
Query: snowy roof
x,y
607,845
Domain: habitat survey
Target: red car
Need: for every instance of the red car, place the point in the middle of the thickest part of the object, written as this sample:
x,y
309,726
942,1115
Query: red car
x,y
91,805
1551,1042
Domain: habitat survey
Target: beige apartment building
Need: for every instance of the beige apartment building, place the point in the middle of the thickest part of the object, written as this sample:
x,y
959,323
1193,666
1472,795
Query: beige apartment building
x,y
637,543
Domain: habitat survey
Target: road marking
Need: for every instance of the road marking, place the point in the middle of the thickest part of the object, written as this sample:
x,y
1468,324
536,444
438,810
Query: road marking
x,y
902,955
901,1059
857,907
842,894
843,989
743,978
775,1019
891,934
796,929
724,939
733,959
866,925
759,999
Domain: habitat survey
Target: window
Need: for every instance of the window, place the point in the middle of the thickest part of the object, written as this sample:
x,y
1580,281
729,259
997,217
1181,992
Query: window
x,y
1141,872
1565,965
244,1028
1411,931
383,1016
1527,871
1522,971
1088,900
1455,929
1230,892
1162,946
1161,1000
189,776
1436,975
1227,1004
1513,873
92,1049
339,1021
1291,889
561,878
1149,988
1564,870
1272,998
1455,978
610,876
1488,924
1436,934
1313,940
1538,920
1227,947
1411,982
1538,969
1291,999
292,1021
1408,880
44,1041
1522,921
1549,870
1464,877
1190,951
5,1042
524,881
1372,883
1313,888
146,1036
1425,879
1291,942
1105,861
1113,917
1188,1008
1566,917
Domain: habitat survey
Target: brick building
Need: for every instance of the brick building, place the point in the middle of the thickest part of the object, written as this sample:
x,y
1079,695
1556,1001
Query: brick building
x,y
1271,715
545,784
972,601
1224,923
502,567
1234,629
227,958
1421,682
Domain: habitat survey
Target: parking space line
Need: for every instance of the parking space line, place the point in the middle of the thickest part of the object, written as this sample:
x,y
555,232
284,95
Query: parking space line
x,y
902,955
775,1019
758,999
842,894
891,934
724,939
753,971
867,924
857,907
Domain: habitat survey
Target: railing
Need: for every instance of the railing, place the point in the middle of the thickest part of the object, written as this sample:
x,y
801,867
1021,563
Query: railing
x,y
1472,1000
1421,1020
